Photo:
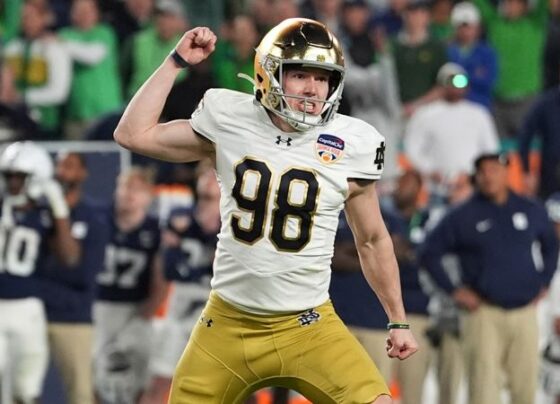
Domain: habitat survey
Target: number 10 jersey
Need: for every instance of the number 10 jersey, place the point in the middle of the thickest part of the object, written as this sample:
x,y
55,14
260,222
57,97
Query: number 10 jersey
x,y
281,195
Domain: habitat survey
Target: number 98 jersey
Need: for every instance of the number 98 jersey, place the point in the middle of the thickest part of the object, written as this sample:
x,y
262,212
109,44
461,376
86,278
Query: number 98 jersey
x,y
281,195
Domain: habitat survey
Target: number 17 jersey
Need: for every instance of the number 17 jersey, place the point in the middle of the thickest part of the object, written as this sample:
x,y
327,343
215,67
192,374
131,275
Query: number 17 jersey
x,y
281,195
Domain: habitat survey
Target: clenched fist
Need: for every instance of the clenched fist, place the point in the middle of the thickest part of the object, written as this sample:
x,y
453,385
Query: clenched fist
x,y
196,45
401,344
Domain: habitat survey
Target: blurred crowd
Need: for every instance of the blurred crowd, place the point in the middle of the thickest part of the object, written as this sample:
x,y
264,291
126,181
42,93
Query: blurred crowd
x,y
460,90
69,67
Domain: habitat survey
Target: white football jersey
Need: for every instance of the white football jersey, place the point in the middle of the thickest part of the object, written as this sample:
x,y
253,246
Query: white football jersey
x,y
281,195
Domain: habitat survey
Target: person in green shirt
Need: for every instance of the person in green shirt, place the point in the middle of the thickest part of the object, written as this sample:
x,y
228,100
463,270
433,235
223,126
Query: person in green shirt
x,y
41,68
236,55
96,87
518,34
418,58
147,48
10,18
441,27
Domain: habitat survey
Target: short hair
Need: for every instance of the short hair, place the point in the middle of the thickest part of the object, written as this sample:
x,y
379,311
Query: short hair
x,y
79,156
144,174
415,174
499,157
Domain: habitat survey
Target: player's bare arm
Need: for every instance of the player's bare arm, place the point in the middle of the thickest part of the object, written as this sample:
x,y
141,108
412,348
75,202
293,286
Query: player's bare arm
x,y
139,129
378,261
65,247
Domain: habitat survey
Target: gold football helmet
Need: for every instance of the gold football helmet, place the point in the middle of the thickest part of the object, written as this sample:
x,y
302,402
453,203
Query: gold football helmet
x,y
298,41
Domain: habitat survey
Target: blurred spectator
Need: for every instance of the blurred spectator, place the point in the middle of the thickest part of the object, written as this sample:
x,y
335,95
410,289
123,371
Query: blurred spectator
x,y
149,47
261,13
551,357
354,302
10,19
440,26
189,243
360,309
16,124
33,222
127,17
370,83
476,57
96,87
186,93
356,33
543,121
445,316
391,19
130,289
552,47
236,55
518,35
418,58
405,222
41,67
281,10
325,11
68,292
494,234
103,129
207,13
443,138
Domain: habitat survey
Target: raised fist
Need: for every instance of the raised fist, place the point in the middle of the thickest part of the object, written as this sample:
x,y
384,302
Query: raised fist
x,y
196,45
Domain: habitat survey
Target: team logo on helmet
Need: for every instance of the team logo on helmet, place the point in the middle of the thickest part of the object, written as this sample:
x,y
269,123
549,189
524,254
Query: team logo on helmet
x,y
298,42
329,148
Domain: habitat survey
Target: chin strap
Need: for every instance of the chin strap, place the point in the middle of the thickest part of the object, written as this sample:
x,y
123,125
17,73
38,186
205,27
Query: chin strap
x,y
248,78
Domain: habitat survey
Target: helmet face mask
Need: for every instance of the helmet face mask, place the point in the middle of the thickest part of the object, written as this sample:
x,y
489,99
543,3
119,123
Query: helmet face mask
x,y
306,44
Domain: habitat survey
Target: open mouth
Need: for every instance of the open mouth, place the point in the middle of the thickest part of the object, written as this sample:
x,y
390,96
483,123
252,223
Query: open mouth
x,y
307,106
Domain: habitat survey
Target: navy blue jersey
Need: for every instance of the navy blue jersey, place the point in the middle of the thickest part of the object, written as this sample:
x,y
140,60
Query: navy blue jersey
x,y
352,297
412,231
495,245
68,293
190,260
128,262
22,248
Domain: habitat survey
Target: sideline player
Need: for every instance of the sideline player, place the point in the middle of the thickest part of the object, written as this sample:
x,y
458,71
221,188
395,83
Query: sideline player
x,y
287,164
129,290
34,221
189,244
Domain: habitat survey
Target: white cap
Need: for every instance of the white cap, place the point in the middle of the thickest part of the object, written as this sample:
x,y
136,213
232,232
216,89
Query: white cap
x,y
172,7
465,13
447,71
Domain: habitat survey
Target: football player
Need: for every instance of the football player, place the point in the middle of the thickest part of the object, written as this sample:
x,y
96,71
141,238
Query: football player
x,y
189,243
287,164
33,220
68,294
130,289
551,357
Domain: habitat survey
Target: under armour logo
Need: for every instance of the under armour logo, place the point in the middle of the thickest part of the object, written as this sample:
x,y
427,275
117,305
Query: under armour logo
x,y
288,141
380,156
208,321
309,317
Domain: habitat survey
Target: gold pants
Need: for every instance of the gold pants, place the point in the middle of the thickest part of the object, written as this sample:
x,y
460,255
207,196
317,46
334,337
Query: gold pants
x,y
232,353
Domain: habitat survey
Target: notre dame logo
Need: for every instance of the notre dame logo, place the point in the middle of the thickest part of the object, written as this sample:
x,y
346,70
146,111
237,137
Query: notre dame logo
x,y
308,318
380,156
